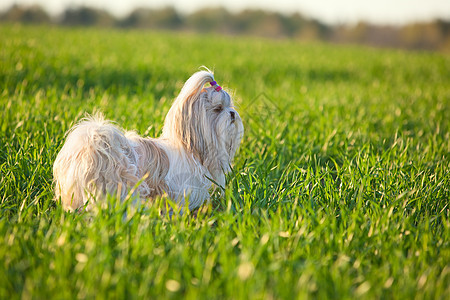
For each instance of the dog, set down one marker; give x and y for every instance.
(201, 135)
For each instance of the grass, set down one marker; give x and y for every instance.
(340, 189)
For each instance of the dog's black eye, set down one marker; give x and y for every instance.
(218, 109)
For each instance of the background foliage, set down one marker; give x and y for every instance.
(432, 35)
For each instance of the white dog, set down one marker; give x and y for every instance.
(202, 132)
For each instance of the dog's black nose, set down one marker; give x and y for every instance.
(232, 116)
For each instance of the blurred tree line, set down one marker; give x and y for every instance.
(433, 35)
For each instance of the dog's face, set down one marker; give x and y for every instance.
(205, 123)
(225, 123)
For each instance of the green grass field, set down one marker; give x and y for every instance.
(340, 189)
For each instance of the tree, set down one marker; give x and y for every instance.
(25, 14)
(166, 18)
(86, 16)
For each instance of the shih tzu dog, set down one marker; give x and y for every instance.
(201, 134)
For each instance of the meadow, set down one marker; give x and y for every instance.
(340, 189)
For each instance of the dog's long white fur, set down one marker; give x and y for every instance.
(201, 134)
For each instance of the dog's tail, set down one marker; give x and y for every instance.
(95, 160)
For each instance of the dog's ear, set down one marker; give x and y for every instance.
(186, 121)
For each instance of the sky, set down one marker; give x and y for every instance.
(330, 11)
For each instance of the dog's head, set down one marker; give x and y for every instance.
(204, 121)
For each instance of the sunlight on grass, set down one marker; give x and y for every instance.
(340, 188)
